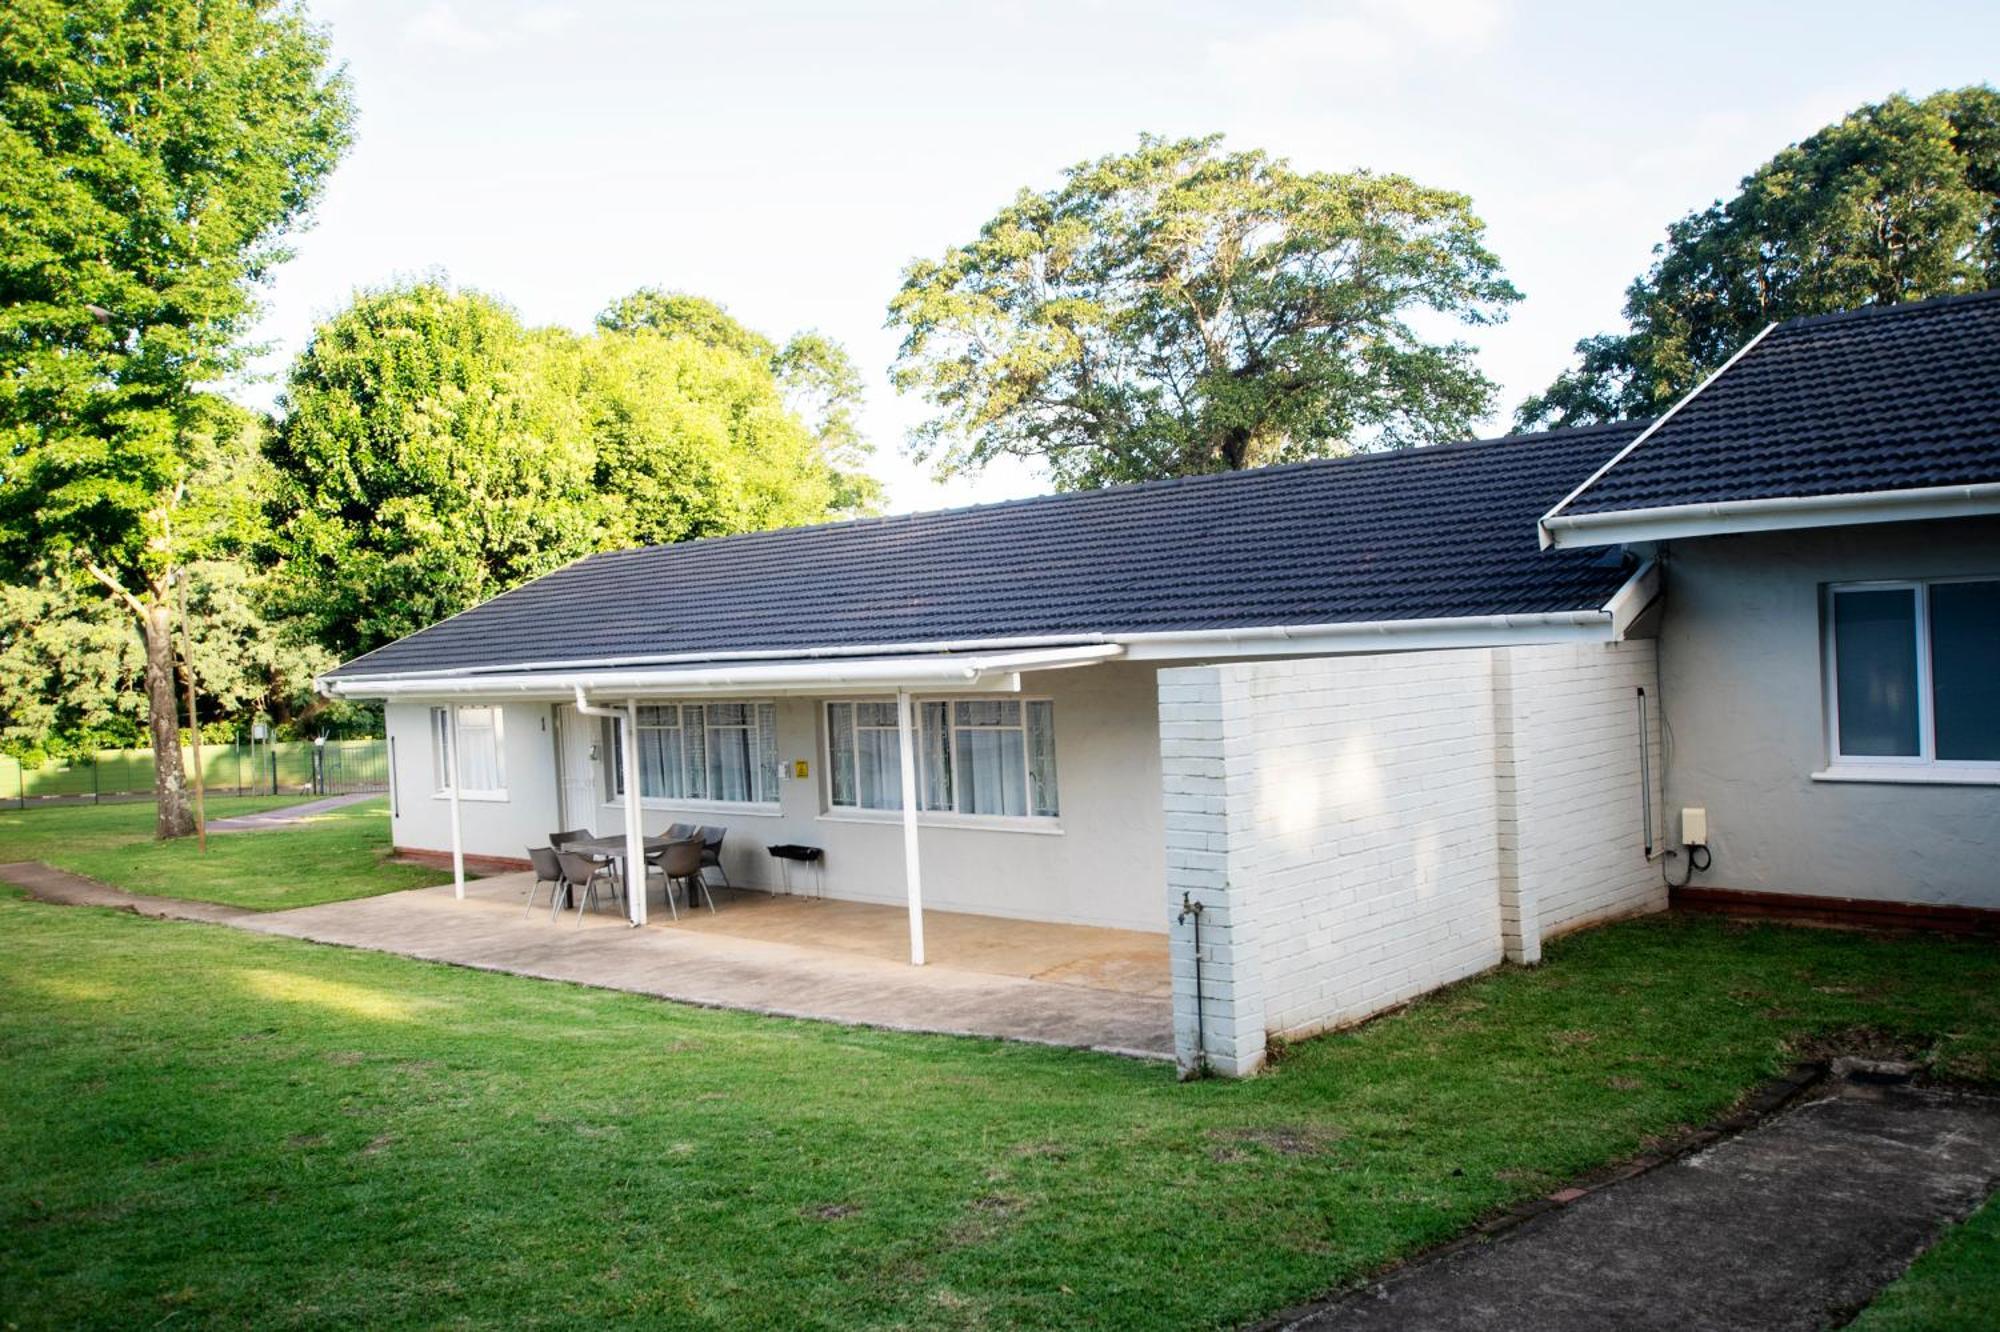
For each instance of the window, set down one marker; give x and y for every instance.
(985, 756)
(701, 751)
(1915, 672)
(477, 733)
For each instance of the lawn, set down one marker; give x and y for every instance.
(1954, 1285)
(207, 1126)
(333, 856)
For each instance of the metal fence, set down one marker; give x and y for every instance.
(284, 767)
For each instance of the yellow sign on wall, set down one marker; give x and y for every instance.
(799, 769)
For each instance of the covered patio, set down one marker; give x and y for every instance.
(830, 960)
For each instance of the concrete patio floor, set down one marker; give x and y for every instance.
(838, 961)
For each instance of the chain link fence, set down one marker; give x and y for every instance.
(283, 767)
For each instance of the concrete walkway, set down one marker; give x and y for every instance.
(492, 931)
(1793, 1225)
(288, 814)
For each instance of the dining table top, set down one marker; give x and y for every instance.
(616, 846)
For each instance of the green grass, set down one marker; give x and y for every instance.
(329, 858)
(1954, 1285)
(215, 1127)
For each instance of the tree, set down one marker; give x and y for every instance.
(152, 159)
(1181, 309)
(433, 453)
(818, 379)
(1898, 201)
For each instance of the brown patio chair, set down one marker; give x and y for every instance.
(680, 862)
(583, 875)
(548, 869)
(711, 854)
(680, 832)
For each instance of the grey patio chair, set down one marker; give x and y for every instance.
(583, 875)
(680, 832)
(548, 869)
(681, 862)
(711, 853)
(563, 839)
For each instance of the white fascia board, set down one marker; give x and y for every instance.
(1624, 526)
(1543, 525)
(1629, 601)
(1331, 640)
(1000, 672)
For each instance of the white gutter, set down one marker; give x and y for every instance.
(1369, 636)
(1542, 526)
(995, 671)
(1767, 515)
(1630, 600)
(933, 647)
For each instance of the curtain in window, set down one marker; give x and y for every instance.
(935, 735)
(479, 749)
(1042, 759)
(878, 756)
(767, 751)
(992, 767)
(441, 749)
(732, 753)
(840, 753)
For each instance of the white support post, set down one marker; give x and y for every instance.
(457, 830)
(906, 744)
(635, 832)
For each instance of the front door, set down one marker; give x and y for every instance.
(578, 741)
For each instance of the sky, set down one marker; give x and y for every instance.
(789, 159)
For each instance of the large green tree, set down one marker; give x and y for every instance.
(1181, 309)
(1898, 201)
(434, 452)
(153, 157)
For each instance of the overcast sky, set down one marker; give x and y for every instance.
(789, 159)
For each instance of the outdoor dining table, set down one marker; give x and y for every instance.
(614, 849)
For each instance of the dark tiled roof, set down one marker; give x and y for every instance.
(1892, 397)
(1435, 532)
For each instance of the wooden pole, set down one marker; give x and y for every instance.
(194, 721)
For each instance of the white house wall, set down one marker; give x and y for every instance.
(1360, 830)
(1740, 659)
(1100, 863)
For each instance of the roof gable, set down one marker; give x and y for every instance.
(1876, 401)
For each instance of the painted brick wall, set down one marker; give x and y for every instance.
(1364, 829)
(1581, 847)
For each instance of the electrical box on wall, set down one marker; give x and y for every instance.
(1694, 826)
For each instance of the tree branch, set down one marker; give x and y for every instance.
(117, 588)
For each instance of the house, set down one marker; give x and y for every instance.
(1362, 726)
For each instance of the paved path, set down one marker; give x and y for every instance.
(1792, 1225)
(50, 884)
(288, 814)
(491, 931)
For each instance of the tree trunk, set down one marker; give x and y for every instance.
(174, 814)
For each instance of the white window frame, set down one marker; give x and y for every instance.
(614, 740)
(444, 742)
(944, 818)
(1924, 766)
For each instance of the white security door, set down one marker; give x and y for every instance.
(582, 793)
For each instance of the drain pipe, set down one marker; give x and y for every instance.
(1192, 910)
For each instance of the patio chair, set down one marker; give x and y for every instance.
(680, 832)
(583, 875)
(711, 854)
(548, 869)
(681, 863)
(563, 839)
